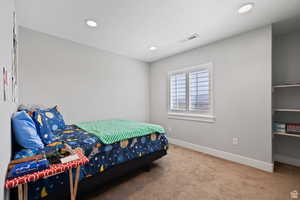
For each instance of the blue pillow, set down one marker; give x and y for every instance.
(25, 131)
(47, 122)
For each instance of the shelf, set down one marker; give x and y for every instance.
(286, 110)
(286, 134)
(287, 85)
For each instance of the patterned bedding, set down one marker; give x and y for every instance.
(102, 156)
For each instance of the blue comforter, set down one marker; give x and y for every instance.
(101, 156)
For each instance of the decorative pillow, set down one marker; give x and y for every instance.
(31, 108)
(47, 122)
(25, 131)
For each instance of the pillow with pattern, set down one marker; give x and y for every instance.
(47, 122)
(32, 107)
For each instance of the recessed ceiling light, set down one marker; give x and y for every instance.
(246, 8)
(152, 48)
(91, 23)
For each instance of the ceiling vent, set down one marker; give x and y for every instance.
(191, 37)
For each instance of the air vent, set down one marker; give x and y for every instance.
(194, 36)
(191, 37)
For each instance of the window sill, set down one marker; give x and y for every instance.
(192, 117)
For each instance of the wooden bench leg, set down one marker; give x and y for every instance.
(74, 186)
(71, 184)
(76, 181)
(25, 191)
(20, 192)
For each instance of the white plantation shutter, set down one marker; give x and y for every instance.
(190, 92)
(199, 90)
(178, 92)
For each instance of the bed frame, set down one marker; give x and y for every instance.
(94, 183)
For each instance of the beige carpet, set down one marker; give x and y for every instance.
(188, 175)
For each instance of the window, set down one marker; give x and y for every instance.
(191, 94)
(178, 92)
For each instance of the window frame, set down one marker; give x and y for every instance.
(188, 114)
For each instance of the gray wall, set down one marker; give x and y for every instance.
(6, 108)
(286, 68)
(87, 83)
(242, 83)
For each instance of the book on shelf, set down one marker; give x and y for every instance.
(293, 128)
(287, 128)
(279, 127)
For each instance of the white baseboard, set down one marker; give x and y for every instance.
(286, 159)
(265, 166)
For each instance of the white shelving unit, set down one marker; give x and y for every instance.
(286, 85)
(285, 94)
(286, 109)
(293, 110)
(286, 134)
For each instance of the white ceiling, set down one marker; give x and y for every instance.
(129, 27)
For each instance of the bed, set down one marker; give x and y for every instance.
(107, 161)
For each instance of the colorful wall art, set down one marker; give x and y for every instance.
(9, 74)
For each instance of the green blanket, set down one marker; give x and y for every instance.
(111, 131)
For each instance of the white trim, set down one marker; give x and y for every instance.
(192, 117)
(189, 69)
(265, 166)
(287, 159)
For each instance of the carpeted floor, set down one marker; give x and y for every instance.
(188, 175)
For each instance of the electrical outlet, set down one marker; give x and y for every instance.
(235, 141)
